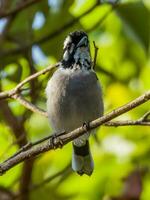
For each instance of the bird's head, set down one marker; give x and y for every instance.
(76, 49)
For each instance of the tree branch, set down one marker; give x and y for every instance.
(29, 105)
(15, 93)
(19, 8)
(21, 139)
(14, 123)
(17, 89)
(6, 194)
(140, 122)
(143, 121)
(54, 143)
(50, 35)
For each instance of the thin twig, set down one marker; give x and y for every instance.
(51, 178)
(15, 142)
(95, 54)
(127, 123)
(145, 117)
(31, 144)
(143, 121)
(54, 143)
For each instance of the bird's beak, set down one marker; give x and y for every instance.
(83, 42)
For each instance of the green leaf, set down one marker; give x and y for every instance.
(135, 17)
(14, 72)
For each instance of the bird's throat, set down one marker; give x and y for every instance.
(81, 59)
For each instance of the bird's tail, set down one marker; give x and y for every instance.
(82, 161)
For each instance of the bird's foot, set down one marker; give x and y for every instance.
(56, 140)
(86, 126)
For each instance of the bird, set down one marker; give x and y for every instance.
(74, 97)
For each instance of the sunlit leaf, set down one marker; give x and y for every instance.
(135, 18)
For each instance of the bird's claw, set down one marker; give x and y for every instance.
(86, 126)
(56, 140)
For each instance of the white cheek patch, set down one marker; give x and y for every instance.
(66, 56)
(67, 40)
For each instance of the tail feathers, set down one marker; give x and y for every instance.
(82, 161)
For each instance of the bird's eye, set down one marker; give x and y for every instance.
(83, 42)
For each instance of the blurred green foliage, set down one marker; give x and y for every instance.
(123, 66)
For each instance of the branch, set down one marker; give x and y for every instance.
(145, 117)
(109, 124)
(57, 32)
(19, 8)
(14, 123)
(16, 90)
(127, 123)
(95, 54)
(65, 171)
(26, 179)
(14, 93)
(15, 142)
(29, 145)
(29, 105)
(21, 139)
(51, 178)
(54, 143)
(143, 121)
(50, 35)
(6, 194)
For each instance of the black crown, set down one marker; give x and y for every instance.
(76, 36)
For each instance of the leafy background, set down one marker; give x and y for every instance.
(30, 40)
